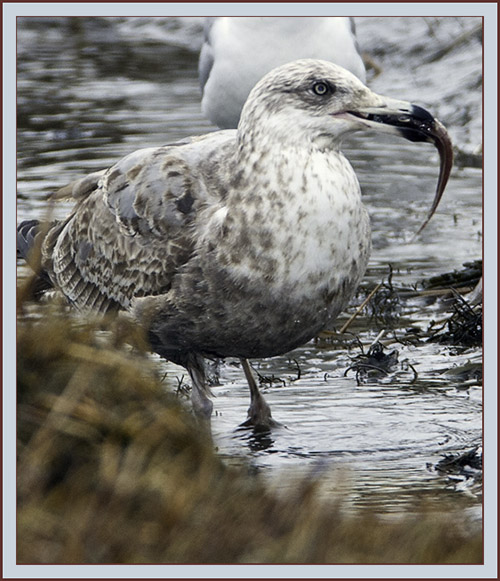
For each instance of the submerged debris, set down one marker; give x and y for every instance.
(463, 328)
(464, 470)
(462, 158)
(377, 363)
(469, 276)
(461, 463)
(385, 305)
(468, 374)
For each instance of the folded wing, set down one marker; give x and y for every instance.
(130, 233)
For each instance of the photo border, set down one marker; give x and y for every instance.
(488, 10)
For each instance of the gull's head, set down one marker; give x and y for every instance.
(318, 102)
(304, 100)
(312, 104)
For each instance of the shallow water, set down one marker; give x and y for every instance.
(92, 90)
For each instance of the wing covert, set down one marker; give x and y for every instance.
(132, 234)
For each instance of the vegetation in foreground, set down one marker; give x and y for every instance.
(112, 469)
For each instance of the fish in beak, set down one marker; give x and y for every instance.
(415, 124)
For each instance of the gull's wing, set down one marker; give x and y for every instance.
(129, 234)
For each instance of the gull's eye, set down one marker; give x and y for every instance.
(321, 88)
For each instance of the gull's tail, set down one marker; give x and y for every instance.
(30, 234)
(26, 236)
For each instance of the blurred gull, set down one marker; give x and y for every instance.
(238, 52)
(240, 243)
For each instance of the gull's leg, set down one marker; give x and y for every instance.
(259, 413)
(202, 405)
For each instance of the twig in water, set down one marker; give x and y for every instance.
(360, 308)
(299, 373)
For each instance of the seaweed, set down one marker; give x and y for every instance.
(464, 327)
(377, 363)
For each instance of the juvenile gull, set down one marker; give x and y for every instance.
(239, 243)
(238, 52)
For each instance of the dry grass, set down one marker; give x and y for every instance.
(111, 469)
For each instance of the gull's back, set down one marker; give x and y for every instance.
(238, 52)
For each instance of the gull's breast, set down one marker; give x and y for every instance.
(307, 234)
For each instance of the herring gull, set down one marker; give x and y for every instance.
(241, 243)
(239, 51)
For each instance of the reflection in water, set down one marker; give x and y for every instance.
(91, 90)
(259, 441)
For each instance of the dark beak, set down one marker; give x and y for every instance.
(415, 124)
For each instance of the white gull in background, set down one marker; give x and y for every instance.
(240, 243)
(239, 51)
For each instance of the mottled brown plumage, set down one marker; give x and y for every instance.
(239, 243)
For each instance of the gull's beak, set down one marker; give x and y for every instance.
(415, 124)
